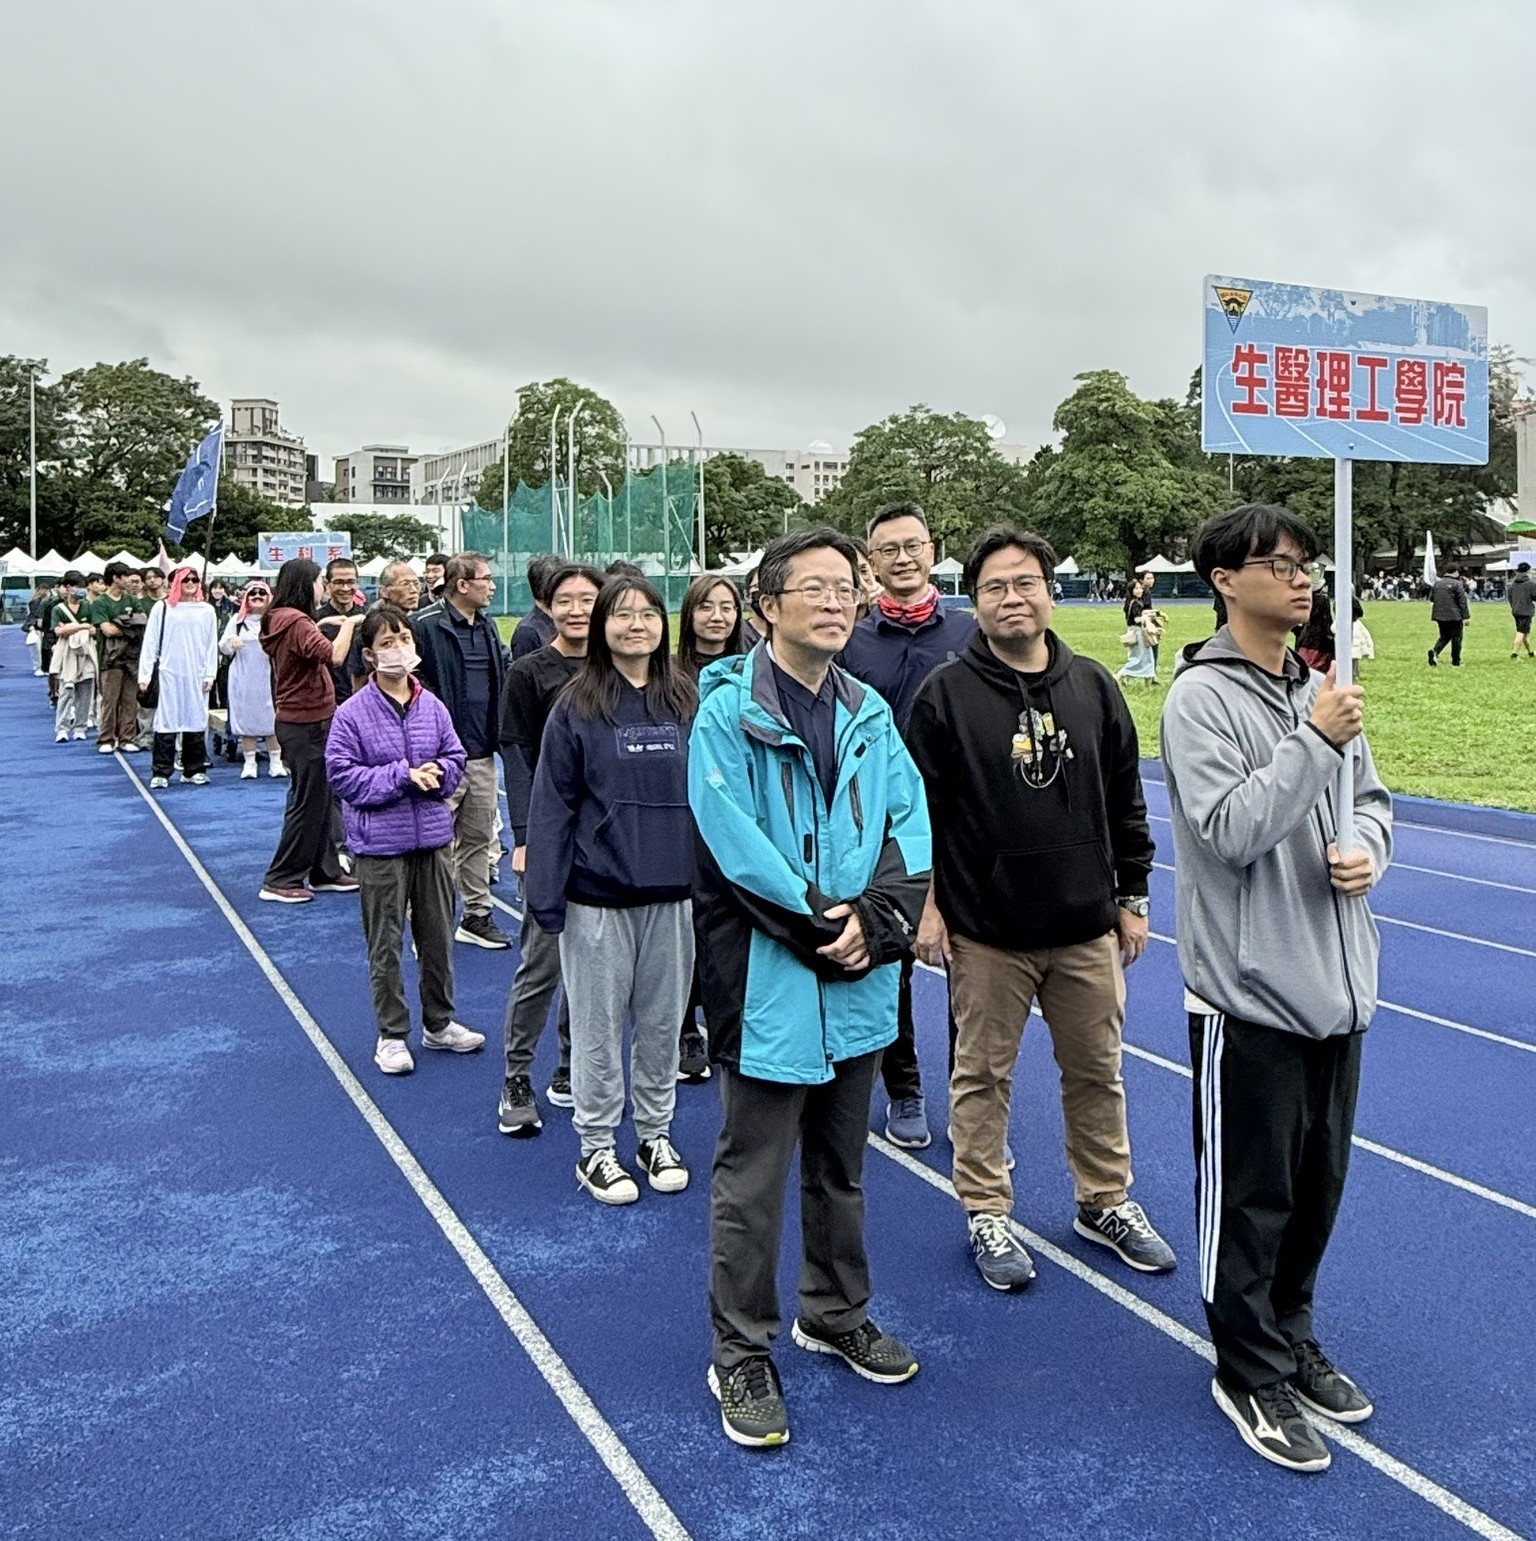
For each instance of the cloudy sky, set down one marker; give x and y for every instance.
(791, 218)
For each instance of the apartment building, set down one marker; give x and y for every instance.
(260, 455)
(376, 473)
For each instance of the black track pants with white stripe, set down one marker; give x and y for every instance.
(1274, 1113)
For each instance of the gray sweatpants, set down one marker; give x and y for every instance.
(617, 963)
(419, 883)
(534, 986)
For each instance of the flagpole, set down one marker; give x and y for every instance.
(32, 412)
(213, 513)
(1344, 632)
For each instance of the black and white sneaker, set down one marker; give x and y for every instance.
(693, 1059)
(1127, 1232)
(1325, 1389)
(602, 1176)
(1000, 1256)
(559, 1092)
(868, 1351)
(1272, 1425)
(482, 931)
(752, 1410)
(663, 1167)
(518, 1112)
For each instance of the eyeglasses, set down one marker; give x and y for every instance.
(892, 549)
(819, 593)
(629, 617)
(1285, 568)
(1026, 585)
(404, 583)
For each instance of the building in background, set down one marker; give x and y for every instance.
(376, 473)
(258, 454)
(454, 475)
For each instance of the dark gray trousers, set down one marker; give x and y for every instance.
(764, 1122)
(419, 883)
(533, 989)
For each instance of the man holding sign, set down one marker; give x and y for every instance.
(1279, 953)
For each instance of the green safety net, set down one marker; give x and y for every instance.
(641, 523)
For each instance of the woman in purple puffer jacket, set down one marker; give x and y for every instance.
(393, 760)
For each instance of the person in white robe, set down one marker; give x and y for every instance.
(181, 644)
(251, 714)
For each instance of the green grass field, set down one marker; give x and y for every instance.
(1464, 734)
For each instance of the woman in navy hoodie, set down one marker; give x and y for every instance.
(393, 758)
(610, 871)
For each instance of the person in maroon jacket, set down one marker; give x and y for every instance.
(304, 699)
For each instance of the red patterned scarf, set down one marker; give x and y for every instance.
(910, 615)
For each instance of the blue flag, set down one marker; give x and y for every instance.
(197, 489)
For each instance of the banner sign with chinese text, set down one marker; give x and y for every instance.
(320, 546)
(1342, 376)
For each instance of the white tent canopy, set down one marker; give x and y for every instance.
(948, 568)
(232, 567)
(88, 562)
(17, 561)
(739, 566)
(374, 566)
(1067, 569)
(1161, 564)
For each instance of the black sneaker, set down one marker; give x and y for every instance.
(1127, 1232)
(1272, 1425)
(1433, 661)
(1323, 1388)
(752, 1410)
(518, 1112)
(482, 931)
(602, 1176)
(1000, 1256)
(663, 1167)
(559, 1091)
(693, 1059)
(868, 1351)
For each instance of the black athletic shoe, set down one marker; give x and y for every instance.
(1272, 1425)
(693, 1059)
(868, 1351)
(752, 1410)
(1323, 1388)
(559, 1092)
(1127, 1232)
(1433, 661)
(518, 1112)
(482, 931)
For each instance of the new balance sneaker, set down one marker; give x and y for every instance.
(455, 1038)
(867, 1351)
(752, 1410)
(517, 1113)
(693, 1059)
(482, 931)
(106, 746)
(663, 1167)
(559, 1091)
(342, 883)
(1272, 1425)
(1325, 1389)
(1000, 1256)
(602, 1176)
(393, 1056)
(906, 1123)
(1127, 1232)
(278, 895)
(159, 783)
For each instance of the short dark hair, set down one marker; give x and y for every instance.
(1524, 567)
(540, 570)
(437, 559)
(1253, 529)
(74, 575)
(779, 553)
(381, 618)
(619, 568)
(338, 561)
(116, 571)
(889, 511)
(461, 569)
(150, 572)
(571, 570)
(999, 538)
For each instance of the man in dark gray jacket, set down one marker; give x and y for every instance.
(1522, 605)
(1450, 612)
(1279, 952)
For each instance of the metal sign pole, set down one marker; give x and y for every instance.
(1344, 631)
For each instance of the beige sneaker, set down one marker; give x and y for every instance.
(456, 1038)
(393, 1056)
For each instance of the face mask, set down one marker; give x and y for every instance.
(396, 662)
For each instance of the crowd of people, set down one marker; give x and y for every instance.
(735, 851)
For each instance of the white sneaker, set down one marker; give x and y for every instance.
(275, 766)
(248, 770)
(81, 733)
(393, 1056)
(61, 737)
(456, 1038)
(105, 748)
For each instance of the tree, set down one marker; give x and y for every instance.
(944, 462)
(744, 507)
(599, 440)
(387, 535)
(53, 515)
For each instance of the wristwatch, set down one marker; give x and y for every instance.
(1138, 905)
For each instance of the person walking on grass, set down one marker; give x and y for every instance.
(251, 714)
(1279, 955)
(1521, 595)
(1449, 611)
(181, 641)
(72, 660)
(609, 872)
(812, 860)
(1042, 855)
(304, 702)
(392, 758)
(533, 684)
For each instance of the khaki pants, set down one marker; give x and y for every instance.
(473, 806)
(1081, 990)
(118, 716)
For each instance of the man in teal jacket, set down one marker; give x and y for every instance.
(813, 859)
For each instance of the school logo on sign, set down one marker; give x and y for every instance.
(1233, 303)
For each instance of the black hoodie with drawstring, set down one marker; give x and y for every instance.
(1034, 793)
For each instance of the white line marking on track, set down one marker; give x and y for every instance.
(1458, 1027)
(1455, 936)
(642, 1494)
(1373, 1455)
(1427, 829)
(1460, 877)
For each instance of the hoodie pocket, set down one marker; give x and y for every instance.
(1054, 889)
(640, 846)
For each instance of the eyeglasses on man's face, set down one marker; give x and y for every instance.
(816, 593)
(893, 549)
(1026, 585)
(1285, 568)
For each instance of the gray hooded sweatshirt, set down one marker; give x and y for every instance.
(1263, 935)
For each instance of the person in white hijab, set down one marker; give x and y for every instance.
(251, 713)
(181, 643)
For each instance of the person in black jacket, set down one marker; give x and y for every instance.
(1041, 859)
(1521, 595)
(537, 629)
(1450, 612)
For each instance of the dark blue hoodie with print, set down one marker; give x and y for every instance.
(608, 822)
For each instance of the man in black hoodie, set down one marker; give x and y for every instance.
(1041, 855)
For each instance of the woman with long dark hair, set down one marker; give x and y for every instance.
(710, 623)
(610, 872)
(304, 701)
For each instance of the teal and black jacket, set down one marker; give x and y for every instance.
(772, 857)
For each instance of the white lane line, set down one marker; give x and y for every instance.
(1455, 936)
(1458, 1027)
(1414, 1481)
(647, 1502)
(1465, 834)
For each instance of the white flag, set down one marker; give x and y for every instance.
(1431, 573)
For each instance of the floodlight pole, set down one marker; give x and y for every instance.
(570, 491)
(554, 501)
(700, 432)
(1344, 631)
(32, 496)
(666, 507)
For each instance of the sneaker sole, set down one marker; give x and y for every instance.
(816, 1346)
(672, 1186)
(395, 1069)
(560, 1099)
(603, 1195)
(520, 1131)
(921, 1144)
(461, 935)
(1088, 1233)
(336, 888)
(746, 1441)
(453, 1048)
(1224, 1402)
(283, 898)
(1323, 1412)
(694, 1077)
